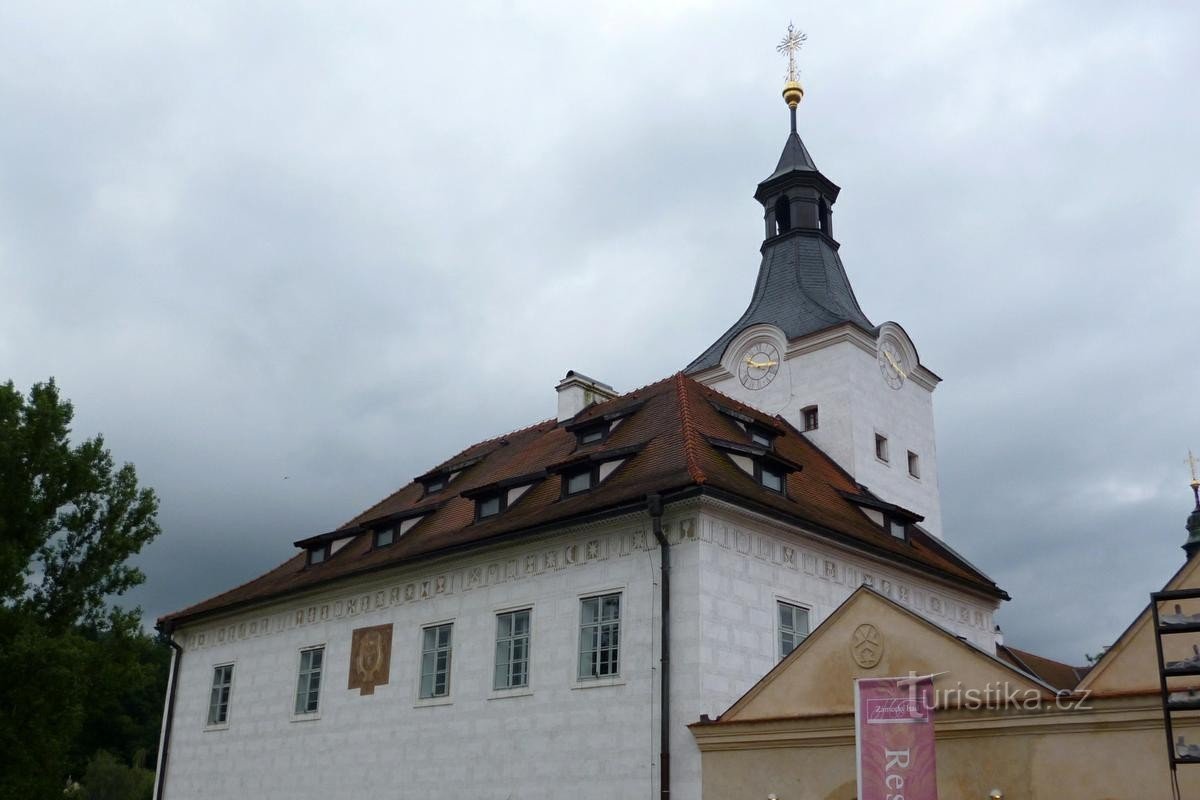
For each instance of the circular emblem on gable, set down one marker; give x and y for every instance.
(866, 645)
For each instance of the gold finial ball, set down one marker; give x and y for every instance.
(793, 93)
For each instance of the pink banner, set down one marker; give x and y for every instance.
(893, 721)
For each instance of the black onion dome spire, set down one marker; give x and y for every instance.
(802, 286)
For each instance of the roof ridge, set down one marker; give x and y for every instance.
(689, 430)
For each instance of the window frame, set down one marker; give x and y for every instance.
(760, 436)
(760, 467)
(434, 698)
(882, 439)
(223, 724)
(394, 530)
(780, 604)
(603, 428)
(511, 639)
(816, 418)
(591, 470)
(501, 505)
(326, 551)
(914, 465)
(315, 713)
(614, 650)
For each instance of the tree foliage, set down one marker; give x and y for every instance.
(69, 520)
(79, 675)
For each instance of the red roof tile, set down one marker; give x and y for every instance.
(670, 428)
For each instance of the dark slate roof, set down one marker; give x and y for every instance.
(671, 435)
(802, 288)
(794, 158)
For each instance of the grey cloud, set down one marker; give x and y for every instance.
(338, 245)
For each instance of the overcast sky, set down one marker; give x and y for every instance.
(287, 256)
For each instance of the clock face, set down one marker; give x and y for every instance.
(892, 363)
(758, 365)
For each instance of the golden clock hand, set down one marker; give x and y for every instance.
(899, 369)
(761, 364)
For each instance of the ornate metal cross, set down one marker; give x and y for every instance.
(790, 45)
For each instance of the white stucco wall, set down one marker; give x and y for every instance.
(556, 739)
(599, 741)
(840, 375)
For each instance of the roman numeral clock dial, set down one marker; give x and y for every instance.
(892, 363)
(758, 365)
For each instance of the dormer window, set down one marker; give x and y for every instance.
(768, 476)
(768, 468)
(385, 537)
(435, 485)
(897, 528)
(489, 506)
(593, 433)
(761, 437)
(318, 554)
(578, 481)
(494, 499)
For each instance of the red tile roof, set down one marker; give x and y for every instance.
(670, 431)
(1055, 673)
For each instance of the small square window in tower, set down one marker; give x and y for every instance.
(881, 447)
(810, 419)
(914, 464)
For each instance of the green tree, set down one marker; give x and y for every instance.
(107, 778)
(68, 520)
(79, 675)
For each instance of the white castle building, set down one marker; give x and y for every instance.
(544, 614)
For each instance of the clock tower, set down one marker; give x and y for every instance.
(805, 350)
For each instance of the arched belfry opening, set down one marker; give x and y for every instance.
(823, 218)
(783, 215)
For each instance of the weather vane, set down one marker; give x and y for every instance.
(790, 45)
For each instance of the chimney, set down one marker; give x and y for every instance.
(577, 391)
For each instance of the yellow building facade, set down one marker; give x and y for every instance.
(999, 728)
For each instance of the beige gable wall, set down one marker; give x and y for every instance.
(817, 678)
(792, 735)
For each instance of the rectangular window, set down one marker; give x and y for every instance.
(435, 485)
(759, 438)
(579, 482)
(881, 450)
(218, 702)
(914, 464)
(793, 627)
(308, 686)
(771, 479)
(385, 537)
(810, 419)
(435, 661)
(512, 650)
(489, 506)
(593, 435)
(600, 636)
(318, 554)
